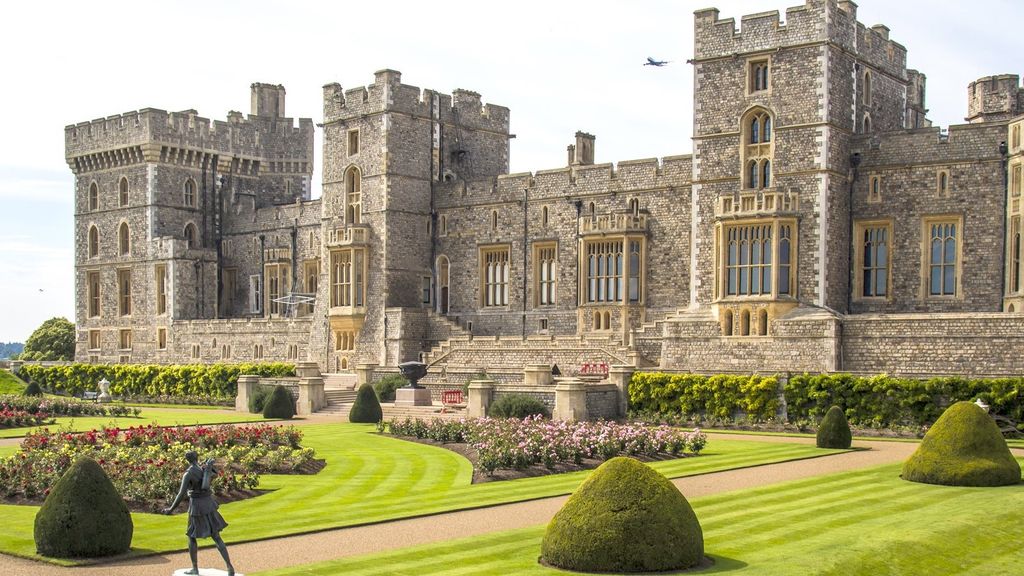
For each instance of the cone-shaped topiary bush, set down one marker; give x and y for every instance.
(279, 404)
(366, 408)
(963, 448)
(33, 389)
(834, 430)
(83, 516)
(626, 517)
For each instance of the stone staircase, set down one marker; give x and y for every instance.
(392, 412)
(340, 381)
(339, 390)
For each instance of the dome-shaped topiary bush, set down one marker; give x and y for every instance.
(517, 406)
(279, 404)
(83, 516)
(963, 448)
(626, 517)
(32, 389)
(366, 408)
(834, 430)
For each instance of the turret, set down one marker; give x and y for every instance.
(993, 98)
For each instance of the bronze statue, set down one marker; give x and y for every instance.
(204, 521)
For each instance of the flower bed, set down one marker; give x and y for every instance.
(146, 463)
(15, 418)
(518, 444)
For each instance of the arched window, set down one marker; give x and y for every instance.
(122, 189)
(444, 225)
(745, 323)
(94, 196)
(592, 208)
(190, 193)
(943, 182)
(634, 207)
(123, 239)
(867, 123)
(762, 322)
(866, 100)
(544, 216)
(756, 149)
(727, 323)
(190, 235)
(494, 220)
(94, 242)
(353, 196)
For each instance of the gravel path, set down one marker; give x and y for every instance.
(342, 542)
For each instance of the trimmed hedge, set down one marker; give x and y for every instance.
(219, 380)
(878, 401)
(366, 408)
(719, 396)
(83, 515)
(517, 406)
(963, 448)
(834, 430)
(279, 404)
(626, 517)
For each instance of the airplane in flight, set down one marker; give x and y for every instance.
(653, 62)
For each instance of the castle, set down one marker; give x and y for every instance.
(820, 224)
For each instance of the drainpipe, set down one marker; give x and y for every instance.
(263, 267)
(295, 254)
(855, 159)
(526, 199)
(579, 290)
(1004, 153)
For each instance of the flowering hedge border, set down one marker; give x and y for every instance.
(509, 443)
(145, 463)
(49, 406)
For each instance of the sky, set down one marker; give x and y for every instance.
(560, 66)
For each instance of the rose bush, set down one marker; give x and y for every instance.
(146, 463)
(517, 444)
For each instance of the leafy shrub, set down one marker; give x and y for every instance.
(366, 408)
(834, 430)
(721, 396)
(258, 399)
(83, 515)
(386, 386)
(963, 448)
(220, 380)
(626, 517)
(32, 389)
(280, 404)
(517, 406)
(63, 406)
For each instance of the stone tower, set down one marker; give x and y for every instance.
(385, 147)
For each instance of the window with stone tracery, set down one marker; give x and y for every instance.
(757, 149)
(353, 196)
(757, 259)
(494, 275)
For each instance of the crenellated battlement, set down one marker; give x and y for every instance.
(815, 21)
(238, 135)
(961, 143)
(994, 98)
(388, 94)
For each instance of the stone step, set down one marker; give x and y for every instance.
(343, 381)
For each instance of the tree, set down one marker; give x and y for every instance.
(54, 340)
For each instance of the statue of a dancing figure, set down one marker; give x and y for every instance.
(204, 521)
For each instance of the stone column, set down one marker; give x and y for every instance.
(570, 400)
(16, 366)
(307, 370)
(620, 375)
(246, 385)
(480, 394)
(537, 375)
(364, 373)
(311, 395)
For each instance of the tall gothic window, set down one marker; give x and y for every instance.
(94, 196)
(873, 257)
(122, 192)
(494, 275)
(190, 193)
(943, 246)
(866, 94)
(758, 75)
(613, 270)
(757, 149)
(353, 196)
(757, 259)
(348, 287)
(544, 273)
(1015, 248)
(190, 236)
(94, 242)
(123, 239)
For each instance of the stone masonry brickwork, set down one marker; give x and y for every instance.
(879, 243)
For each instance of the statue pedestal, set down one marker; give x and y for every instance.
(205, 572)
(412, 397)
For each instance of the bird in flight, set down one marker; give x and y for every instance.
(653, 62)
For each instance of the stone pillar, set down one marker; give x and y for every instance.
(307, 370)
(480, 394)
(246, 385)
(16, 366)
(364, 373)
(620, 375)
(537, 375)
(570, 400)
(311, 395)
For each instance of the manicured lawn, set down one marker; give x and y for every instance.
(10, 384)
(865, 522)
(155, 416)
(370, 478)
